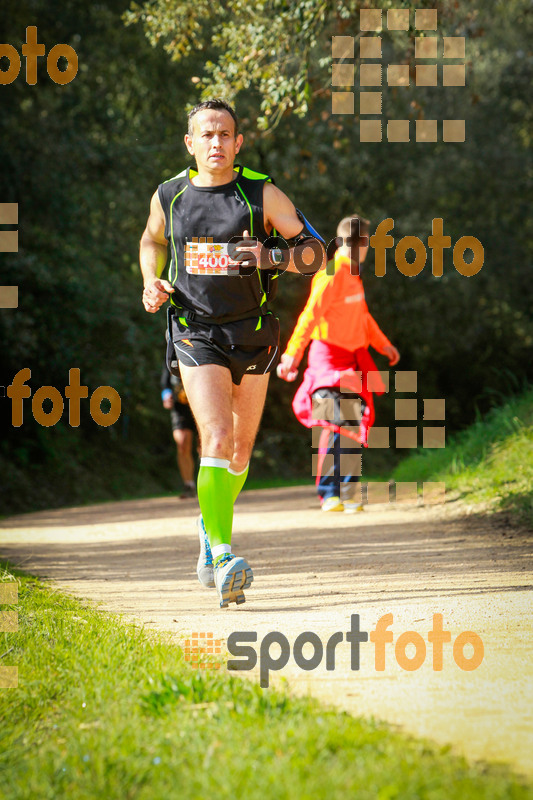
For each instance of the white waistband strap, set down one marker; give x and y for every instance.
(232, 471)
(206, 461)
(220, 549)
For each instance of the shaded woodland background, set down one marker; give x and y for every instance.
(82, 161)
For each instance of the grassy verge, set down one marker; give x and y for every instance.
(80, 473)
(104, 711)
(490, 462)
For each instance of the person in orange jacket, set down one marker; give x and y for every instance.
(337, 321)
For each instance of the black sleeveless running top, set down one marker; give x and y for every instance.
(199, 222)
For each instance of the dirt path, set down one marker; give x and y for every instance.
(312, 572)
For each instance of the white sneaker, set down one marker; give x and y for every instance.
(204, 567)
(352, 507)
(332, 504)
(232, 576)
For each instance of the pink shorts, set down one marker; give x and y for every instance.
(323, 355)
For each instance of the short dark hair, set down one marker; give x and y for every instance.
(217, 105)
(344, 229)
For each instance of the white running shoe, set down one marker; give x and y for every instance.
(352, 507)
(232, 576)
(332, 504)
(204, 567)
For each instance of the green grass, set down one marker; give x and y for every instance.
(490, 462)
(104, 710)
(277, 482)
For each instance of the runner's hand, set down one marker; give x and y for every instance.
(155, 294)
(287, 369)
(254, 247)
(392, 354)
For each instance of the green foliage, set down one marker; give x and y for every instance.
(491, 462)
(82, 161)
(105, 710)
(279, 48)
(265, 45)
(465, 337)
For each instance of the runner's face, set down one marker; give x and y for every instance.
(213, 142)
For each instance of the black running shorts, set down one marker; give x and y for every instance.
(239, 359)
(181, 418)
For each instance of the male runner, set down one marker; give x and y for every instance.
(337, 320)
(183, 427)
(221, 331)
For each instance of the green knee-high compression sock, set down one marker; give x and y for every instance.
(237, 480)
(216, 503)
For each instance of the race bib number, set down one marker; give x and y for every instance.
(205, 257)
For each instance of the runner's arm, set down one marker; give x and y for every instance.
(153, 257)
(318, 302)
(280, 213)
(320, 299)
(379, 341)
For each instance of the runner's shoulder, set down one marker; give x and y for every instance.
(252, 175)
(255, 184)
(168, 189)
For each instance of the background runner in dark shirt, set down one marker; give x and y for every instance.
(183, 427)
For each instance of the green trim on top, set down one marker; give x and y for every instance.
(275, 233)
(179, 175)
(255, 176)
(175, 259)
(264, 297)
(249, 209)
(245, 172)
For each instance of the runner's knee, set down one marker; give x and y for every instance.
(184, 447)
(217, 441)
(183, 439)
(242, 452)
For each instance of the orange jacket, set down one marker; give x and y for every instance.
(336, 312)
